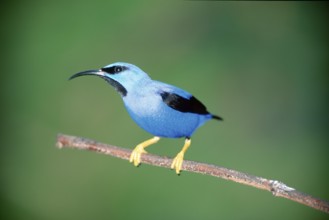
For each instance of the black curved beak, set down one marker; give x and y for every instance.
(88, 72)
(118, 87)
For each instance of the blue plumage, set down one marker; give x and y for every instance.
(152, 114)
(159, 108)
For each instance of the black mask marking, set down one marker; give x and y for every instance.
(114, 69)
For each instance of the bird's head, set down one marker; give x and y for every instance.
(123, 77)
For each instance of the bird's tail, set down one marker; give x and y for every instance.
(217, 117)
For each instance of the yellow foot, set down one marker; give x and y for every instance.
(178, 160)
(135, 156)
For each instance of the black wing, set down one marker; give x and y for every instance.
(182, 104)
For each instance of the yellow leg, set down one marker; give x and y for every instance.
(178, 160)
(139, 149)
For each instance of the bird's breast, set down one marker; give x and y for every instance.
(156, 117)
(143, 106)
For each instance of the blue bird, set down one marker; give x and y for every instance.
(159, 108)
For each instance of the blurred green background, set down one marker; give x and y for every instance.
(262, 66)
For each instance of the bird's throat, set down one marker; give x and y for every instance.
(117, 86)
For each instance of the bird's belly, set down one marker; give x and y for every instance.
(164, 121)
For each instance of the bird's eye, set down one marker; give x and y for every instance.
(113, 69)
(117, 69)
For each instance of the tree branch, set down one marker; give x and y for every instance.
(275, 187)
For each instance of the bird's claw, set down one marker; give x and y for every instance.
(135, 156)
(178, 162)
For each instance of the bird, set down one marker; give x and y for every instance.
(161, 109)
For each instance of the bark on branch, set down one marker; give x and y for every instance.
(277, 188)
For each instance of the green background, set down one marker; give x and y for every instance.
(262, 66)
